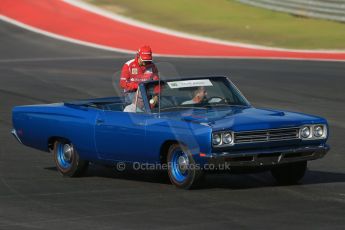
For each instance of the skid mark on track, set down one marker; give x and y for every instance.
(61, 85)
(6, 123)
(84, 217)
(306, 194)
(22, 95)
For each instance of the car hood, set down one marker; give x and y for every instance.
(244, 118)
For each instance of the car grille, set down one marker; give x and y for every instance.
(266, 135)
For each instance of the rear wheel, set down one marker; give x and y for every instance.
(289, 173)
(183, 171)
(67, 159)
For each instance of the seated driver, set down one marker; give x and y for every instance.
(137, 105)
(199, 96)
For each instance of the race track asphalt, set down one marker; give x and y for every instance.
(35, 69)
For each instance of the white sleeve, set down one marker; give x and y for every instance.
(129, 108)
(190, 102)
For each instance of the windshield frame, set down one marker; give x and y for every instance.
(143, 86)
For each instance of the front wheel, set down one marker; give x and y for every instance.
(183, 171)
(67, 159)
(289, 173)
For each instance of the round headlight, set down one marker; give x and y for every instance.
(318, 131)
(227, 138)
(216, 139)
(305, 132)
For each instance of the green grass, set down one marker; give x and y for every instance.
(233, 21)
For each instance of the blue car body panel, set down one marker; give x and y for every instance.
(120, 137)
(35, 125)
(110, 135)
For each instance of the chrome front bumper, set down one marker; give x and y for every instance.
(269, 157)
(14, 133)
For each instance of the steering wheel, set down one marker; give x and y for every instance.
(216, 99)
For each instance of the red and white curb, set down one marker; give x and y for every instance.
(78, 22)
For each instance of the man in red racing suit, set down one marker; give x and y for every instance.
(137, 70)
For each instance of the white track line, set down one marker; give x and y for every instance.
(116, 17)
(43, 59)
(60, 37)
(47, 59)
(89, 44)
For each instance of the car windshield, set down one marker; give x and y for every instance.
(195, 93)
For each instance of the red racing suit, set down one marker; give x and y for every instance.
(132, 74)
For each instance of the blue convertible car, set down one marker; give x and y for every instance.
(192, 126)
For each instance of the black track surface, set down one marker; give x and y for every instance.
(35, 69)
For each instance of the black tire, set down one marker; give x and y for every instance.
(194, 175)
(68, 162)
(290, 173)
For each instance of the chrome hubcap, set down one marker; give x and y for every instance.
(67, 152)
(183, 163)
